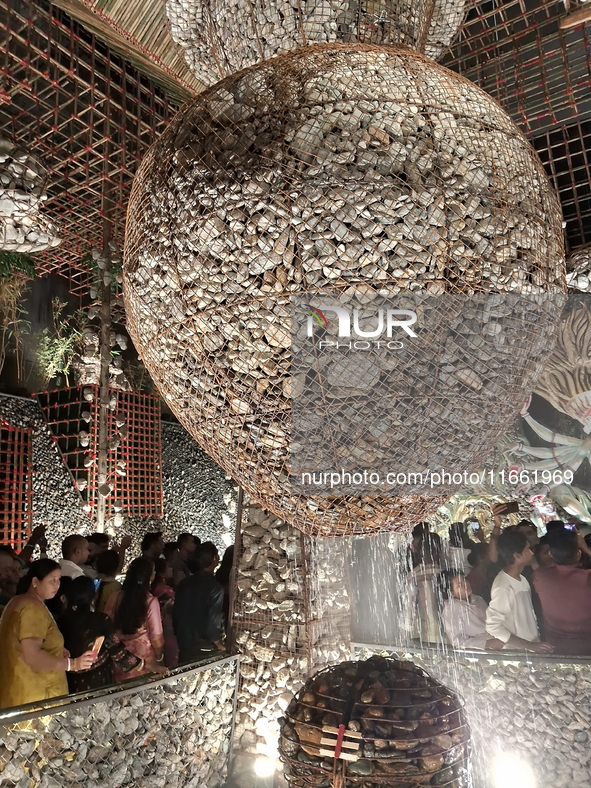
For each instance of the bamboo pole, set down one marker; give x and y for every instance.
(575, 19)
(105, 334)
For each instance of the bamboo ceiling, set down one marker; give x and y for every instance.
(140, 31)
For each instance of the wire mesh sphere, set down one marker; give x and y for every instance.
(333, 168)
(22, 191)
(225, 36)
(578, 270)
(401, 728)
(22, 181)
(28, 234)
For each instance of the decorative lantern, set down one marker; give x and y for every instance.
(331, 169)
(225, 36)
(382, 722)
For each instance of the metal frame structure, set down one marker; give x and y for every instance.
(540, 73)
(16, 484)
(140, 489)
(86, 113)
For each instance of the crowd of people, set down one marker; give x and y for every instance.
(514, 591)
(80, 624)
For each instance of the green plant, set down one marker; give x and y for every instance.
(138, 377)
(14, 268)
(11, 262)
(57, 349)
(12, 289)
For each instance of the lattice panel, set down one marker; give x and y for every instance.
(140, 490)
(16, 478)
(135, 446)
(85, 113)
(540, 74)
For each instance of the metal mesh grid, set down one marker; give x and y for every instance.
(140, 490)
(16, 485)
(85, 113)
(539, 73)
(71, 418)
(72, 415)
(336, 168)
(566, 155)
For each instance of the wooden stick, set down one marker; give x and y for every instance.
(575, 19)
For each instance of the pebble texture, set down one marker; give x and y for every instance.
(578, 270)
(225, 36)
(22, 191)
(198, 497)
(291, 617)
(175, 735)
(408, 729)
(537, 709)
(347, 168)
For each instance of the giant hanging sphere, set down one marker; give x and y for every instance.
(338, 168)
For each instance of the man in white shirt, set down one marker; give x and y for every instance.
(75, 553)
(510, 616)
(464, 615)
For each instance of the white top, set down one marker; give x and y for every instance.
(465, 622)
(70, 569)
(510, 611)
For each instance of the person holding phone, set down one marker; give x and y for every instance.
(85, 629)
(33, 660)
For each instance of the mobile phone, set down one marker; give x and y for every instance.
(511, 507)
(98, 642)
(474, 526)
(97, 582)
(570, 526)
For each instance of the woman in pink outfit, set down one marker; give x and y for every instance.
(164, 593)
(138, 622)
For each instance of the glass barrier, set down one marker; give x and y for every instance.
(151, 732)
(528, 713)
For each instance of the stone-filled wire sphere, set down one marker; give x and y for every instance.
(410, 729)
(338, 168)
(221, 37)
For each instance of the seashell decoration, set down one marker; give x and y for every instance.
(23, 182)
(340, 169)
(400, 727)
(578, 270)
